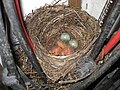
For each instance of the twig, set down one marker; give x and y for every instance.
(57, 2)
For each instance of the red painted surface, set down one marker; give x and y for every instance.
(22, 24)
(110, 45)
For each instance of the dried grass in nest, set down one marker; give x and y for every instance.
(45, 26)
(27, 67)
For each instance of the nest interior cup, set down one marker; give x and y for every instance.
(46, 25)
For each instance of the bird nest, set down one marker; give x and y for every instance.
(46, 24)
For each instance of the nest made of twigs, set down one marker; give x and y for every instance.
(45, 26)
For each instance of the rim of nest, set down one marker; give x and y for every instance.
(53, 21)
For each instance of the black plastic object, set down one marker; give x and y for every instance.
(82, 85)
(110, 81)
(106, 29)
(106, 11)
(9, 75)
(85, 67)
(5, 51)
(114, 27)
(16, 31)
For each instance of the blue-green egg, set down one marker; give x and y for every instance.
(73, 43)
(65, 37)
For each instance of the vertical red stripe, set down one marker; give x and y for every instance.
(21, 21)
